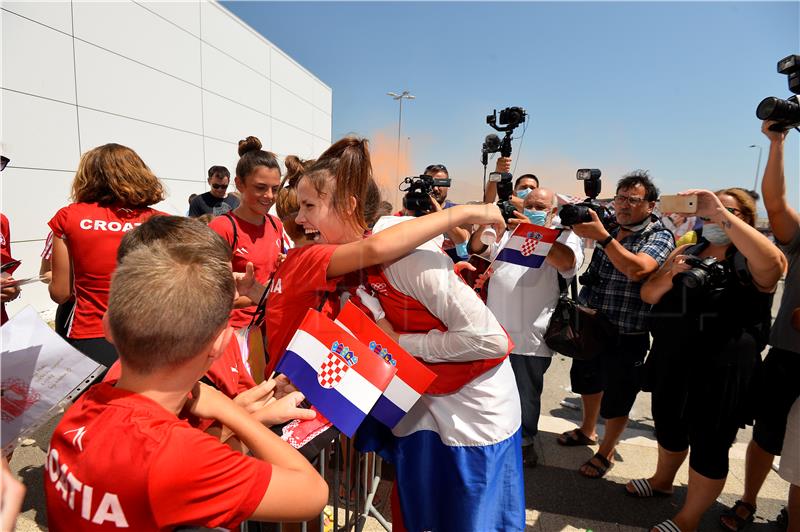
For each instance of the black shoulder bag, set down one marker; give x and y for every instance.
(578, 331)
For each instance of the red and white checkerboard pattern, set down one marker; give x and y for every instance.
(332, 371)
(528, 247)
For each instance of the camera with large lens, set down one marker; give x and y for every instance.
(706, 273)
(418, 191)
(579, 213)
(786, 113)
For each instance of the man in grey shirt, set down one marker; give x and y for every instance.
(779, 382)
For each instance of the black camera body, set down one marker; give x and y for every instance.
(510, 118)
(578, 213)
(785, 112)
(505, 188)
(707, 273)
(418, 192)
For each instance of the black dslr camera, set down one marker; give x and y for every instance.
(418, 191)
(785, 112)
(578, 213)
(706, 273)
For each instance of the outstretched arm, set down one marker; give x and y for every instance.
(784, 220)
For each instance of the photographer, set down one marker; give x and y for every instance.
(523, 300)
(718, 294)
(778, 386)
(623, 258)
(455, 240)
(523, 185)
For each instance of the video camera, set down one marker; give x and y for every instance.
(510, 118)
(418, 192)
(578, 213)
(785, 112)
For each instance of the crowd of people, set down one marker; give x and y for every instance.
(176, 307)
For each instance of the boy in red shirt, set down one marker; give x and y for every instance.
(121, 457)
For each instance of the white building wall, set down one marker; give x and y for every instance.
(179, 82)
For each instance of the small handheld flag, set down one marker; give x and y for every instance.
(337, 373)
(528, 245)
(412, 377)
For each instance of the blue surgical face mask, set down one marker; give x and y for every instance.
(536, 217)
(523, 193)
(461, 250)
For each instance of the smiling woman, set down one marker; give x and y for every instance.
(253, 235)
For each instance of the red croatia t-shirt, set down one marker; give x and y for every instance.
(119, 460)
(92, 234)
(300, 283)
(5, 252)
(259, 244)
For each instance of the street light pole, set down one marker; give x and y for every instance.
(758, 166)
(400, 97)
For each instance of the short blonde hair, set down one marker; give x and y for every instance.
(113, 173)
(167, 304)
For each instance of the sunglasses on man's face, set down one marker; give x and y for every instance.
(219, 187)
(4, 162)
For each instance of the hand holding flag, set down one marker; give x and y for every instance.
(338, 374)
(528, 245)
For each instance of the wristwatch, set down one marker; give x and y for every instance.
(603, 243)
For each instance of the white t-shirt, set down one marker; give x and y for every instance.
(523, 299)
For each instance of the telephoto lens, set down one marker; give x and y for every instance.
(785, 112)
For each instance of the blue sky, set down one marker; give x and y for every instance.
(671, 87)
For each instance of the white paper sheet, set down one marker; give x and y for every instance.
(38, 370)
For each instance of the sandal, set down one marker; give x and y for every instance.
(666, 526)
(575, 438)
(600, 470)
(643, 490)
(741, 522)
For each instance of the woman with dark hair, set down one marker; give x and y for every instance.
(253, 234)
(113, 191)
(718, 294)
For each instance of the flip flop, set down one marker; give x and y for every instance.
(575, 438)
(643, 490)
(666, 526)
(601, 469)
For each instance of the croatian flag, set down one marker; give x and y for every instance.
(338, 374)
(528, 245)
(412, 377)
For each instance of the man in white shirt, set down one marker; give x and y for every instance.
(523, 300)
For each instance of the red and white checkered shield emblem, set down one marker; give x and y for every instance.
(528, 247)
(332, 371)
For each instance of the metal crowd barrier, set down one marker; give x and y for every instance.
(351, 472)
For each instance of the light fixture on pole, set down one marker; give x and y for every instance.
(758, 166)
(400, 97)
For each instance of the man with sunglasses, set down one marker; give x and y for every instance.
(216, 201)
(623, 259)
